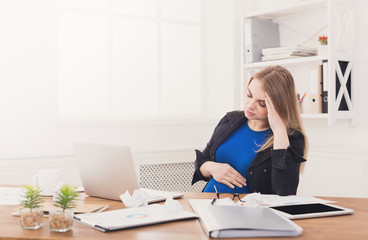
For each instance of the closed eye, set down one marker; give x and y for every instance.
(261, 103)
(249, 94)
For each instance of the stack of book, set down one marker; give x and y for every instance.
(269, 54)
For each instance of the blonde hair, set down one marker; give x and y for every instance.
(278, 83)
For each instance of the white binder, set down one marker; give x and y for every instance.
(315, 89)
(259, 34)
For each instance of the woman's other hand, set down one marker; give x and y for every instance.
(223, 173)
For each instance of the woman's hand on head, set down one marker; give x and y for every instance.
(274, 118)
(281, 139)
(223, 173)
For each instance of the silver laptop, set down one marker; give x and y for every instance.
(107, 171)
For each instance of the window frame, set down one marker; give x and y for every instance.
(159, 117)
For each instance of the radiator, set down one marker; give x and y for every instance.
(175, 176)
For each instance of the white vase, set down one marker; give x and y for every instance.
(323, 50)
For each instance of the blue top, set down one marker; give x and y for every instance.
(238, 151)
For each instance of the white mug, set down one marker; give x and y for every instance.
(47, 180)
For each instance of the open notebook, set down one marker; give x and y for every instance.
(226, 221)
(107, 171)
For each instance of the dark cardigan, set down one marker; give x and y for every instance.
(271, 171)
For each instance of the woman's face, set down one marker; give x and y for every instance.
(254, 104)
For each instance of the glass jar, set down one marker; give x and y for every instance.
(61, 221)
(31, 218)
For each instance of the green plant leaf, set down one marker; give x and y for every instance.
(31, 197)
(66, 197)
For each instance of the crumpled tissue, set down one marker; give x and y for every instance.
(172, 205)
(138, 199)
(251, 200)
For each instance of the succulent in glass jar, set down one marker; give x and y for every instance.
(31, 213)
(61, 220)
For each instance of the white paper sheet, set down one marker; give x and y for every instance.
(10, 195)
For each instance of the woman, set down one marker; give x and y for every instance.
(261, 148)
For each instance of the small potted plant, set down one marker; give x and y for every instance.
(323, 40)
(31, 212)
(61, 219)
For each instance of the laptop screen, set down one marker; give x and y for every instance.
(106, 170)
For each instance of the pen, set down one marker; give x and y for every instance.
(301, 100)
(214, 199)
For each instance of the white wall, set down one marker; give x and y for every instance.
(30, 124)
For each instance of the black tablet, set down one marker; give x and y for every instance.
(311, 210)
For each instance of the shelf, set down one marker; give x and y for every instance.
(292, 9)
(286, 62)
(314, 116)
(340, 78)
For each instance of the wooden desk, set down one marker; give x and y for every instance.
(352, 227)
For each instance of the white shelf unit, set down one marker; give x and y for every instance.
(342, 67)
(287, 62)
(292, 9)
